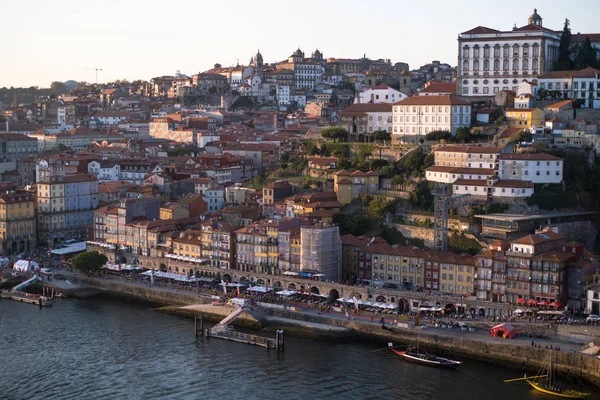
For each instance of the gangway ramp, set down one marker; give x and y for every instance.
(21, 286)
(231, 317)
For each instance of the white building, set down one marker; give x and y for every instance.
(524, 100)
(592, 304)
(533, 167)
(361, 120)
(105, 171)
(381, 93)
(584, 84)
(418, 115)
(283, 95)
(215, 198)
(492, 187)
(108, 117)
(490, 60)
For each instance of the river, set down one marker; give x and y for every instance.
(108, 349)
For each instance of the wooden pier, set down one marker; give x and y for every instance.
(26, 298)
(226, 332)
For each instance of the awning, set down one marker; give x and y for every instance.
(259, 289)
(287, 293)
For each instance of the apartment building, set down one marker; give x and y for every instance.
(349, 185)
(18, 223)
(65, 206)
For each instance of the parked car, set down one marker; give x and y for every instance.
(390, 286)
(593, 318)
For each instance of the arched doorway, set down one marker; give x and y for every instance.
(482, 312)
(260, 281)
(315, 290)
(438, 304)
(243, 279)
(227, 278)
(291, 286)
(278, 285)
(450, 309)
(380, 299)
(403, 306)
(162, 267)
(334, 295)
(472, 311)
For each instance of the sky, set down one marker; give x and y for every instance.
(46, 41)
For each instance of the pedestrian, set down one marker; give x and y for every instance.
(532, 343)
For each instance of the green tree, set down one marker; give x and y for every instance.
(377, 164)
(438, 135)
(564, 50)
(502, 119)
(421, 196)
(61, 147)
(89, 261)
(585, 55)
(380, 206)
(459, 243)
(334, 133)
(382, 136)
(463, 134)
(58, 87)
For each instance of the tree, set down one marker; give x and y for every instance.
(58, 87)
(463, 134)
(61, 147)
(334, 133)
(380, 206)
(585, 55)
(564, 50)
(89, 261)
(502, 119)
(382, 136)
(438, 135)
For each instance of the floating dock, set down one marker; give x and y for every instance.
(26, 298)
(224, 331)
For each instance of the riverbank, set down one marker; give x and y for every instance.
(517, 353)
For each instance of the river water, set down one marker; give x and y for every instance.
(108, 349)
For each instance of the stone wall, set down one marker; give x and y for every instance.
(582, 231)
(415, 232)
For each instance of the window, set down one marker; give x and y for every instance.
(496, 51)
(525, 65)
(505, 65)
(486, 65)
(496, 65)
(505, 50)
(486, 51)
(515, 64)
(476, 65)
(466, 52)
(465, 65)
(476, 51)
(516, 50)
(534, 64)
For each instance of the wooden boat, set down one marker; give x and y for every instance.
(546, 383)
(427, 359)
(413, 354)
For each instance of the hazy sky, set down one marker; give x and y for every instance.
(45, 41)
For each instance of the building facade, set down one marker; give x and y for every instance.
(490, 60)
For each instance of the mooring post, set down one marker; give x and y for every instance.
(196, 326)
(201, 325)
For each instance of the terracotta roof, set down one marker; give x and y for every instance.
(538, 238)
(461, 170)
(584, 73)
(480, 29)
(561, 104)
(513, 184)
(508, 132)
(556, 256)
(439, 87)
(470, 149)
(323, 160)
(367, 107)
(381, 86)
(470, 182)
(529, 156)
(521, 109)
(432, 101)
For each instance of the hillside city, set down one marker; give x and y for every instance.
(476, 178)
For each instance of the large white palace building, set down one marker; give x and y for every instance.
(490, 60)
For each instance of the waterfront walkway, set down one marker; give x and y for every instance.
(70, 283)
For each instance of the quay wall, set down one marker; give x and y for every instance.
(501, 353)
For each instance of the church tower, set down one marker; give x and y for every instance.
(534, 19)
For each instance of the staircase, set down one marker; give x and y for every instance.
(21, 286)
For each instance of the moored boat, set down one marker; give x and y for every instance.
(427, 359)
(546, 383)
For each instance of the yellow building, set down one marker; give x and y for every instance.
(525, 117)
(17, 222)
(189, 244)
(348, 186)
(457, 273)
(172, 210)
